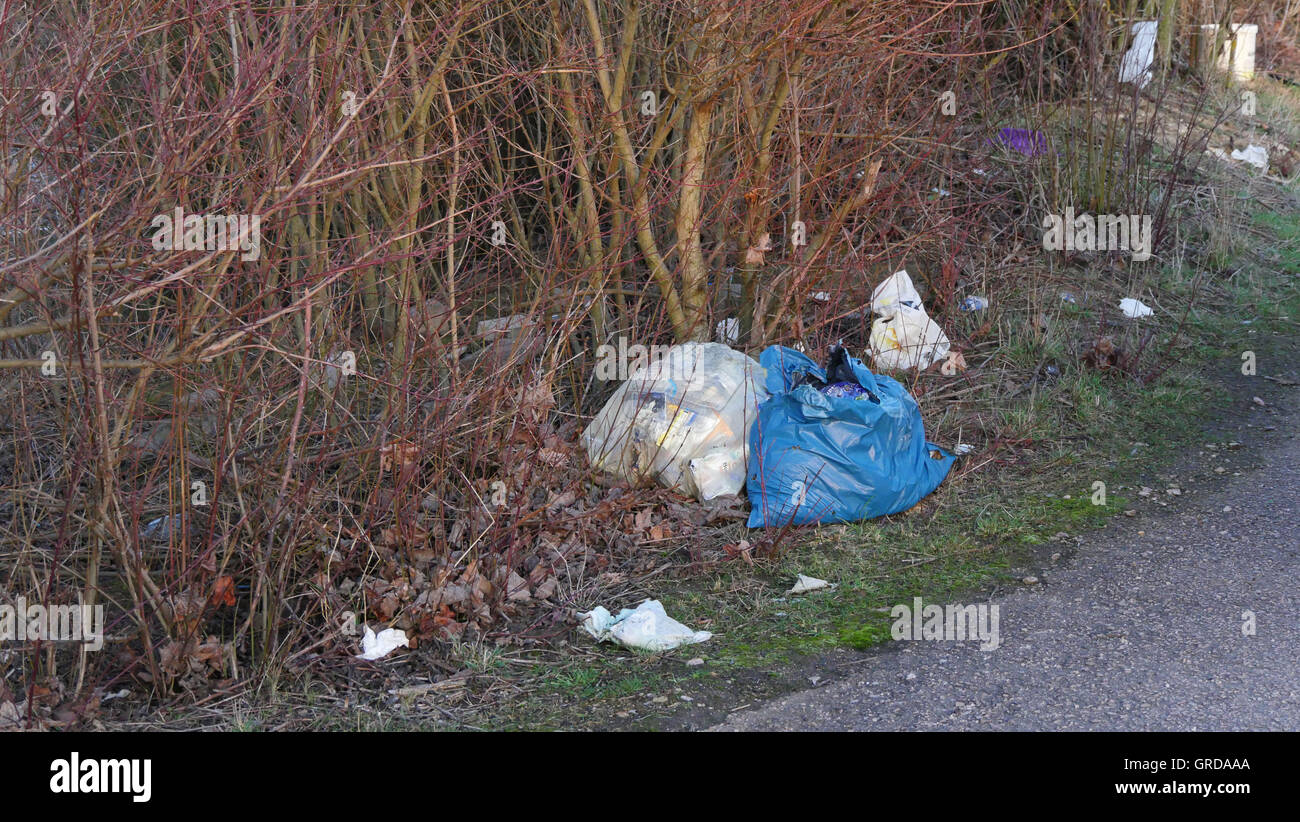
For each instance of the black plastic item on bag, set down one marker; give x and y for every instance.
(838, 370)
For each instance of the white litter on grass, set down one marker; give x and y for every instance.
(729, 330)
(903, 336)
(963, 448)
(377, 646)
(805, 584)
(1136, 65)
(1134, 308)
(646, 627)
(1254, 155)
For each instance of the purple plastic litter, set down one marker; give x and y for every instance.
(846, 390)
(1025, 141)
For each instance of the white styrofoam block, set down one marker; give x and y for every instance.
(1237, 54)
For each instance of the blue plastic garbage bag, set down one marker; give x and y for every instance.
(818, 458)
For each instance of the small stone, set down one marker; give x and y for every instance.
(1145, 492)
(1173, 492)
(685, 698)
(1030, 580)
(1220, 470)
(1056, 556)
(622, 714)
(1130, 513)
(696, 661)
(910, 677)
(1258, 401)
(1227, 509)
(659, 700)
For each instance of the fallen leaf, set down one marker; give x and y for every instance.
(223, 592)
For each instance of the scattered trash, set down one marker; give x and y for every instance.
(163, 528)
(824, 459)
(1135, 67)
(942, 192)
(336, 367)
(682, 419)
(846, 390)
(955, 364)
(646, 627)
(973, 304)
(894, 291)
(1236, 53)
(1067, 297)
(805, 584)
(729, 330)
(1134, 308)
(377, 646)
(963, 448)
(903, 336)
(755, 253)
(1254, 155)
(1022, 140)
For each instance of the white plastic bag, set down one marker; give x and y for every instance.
(1134, 308)
(377, 646)
(647, 627)
(1256, 156)
(897, 289)
(1136, 64)
(904, 336)
(683, 419)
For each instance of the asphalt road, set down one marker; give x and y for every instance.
(1141, 630)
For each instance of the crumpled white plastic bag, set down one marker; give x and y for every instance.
(904, 336)
(804, 585)
(1254, 155)
(1134, 308)
(1136, 64)
(377, 646)
(646, 627)
(897, 289)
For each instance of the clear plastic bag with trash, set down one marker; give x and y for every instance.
(683, 420)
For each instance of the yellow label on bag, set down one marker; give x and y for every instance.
(683, 419)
